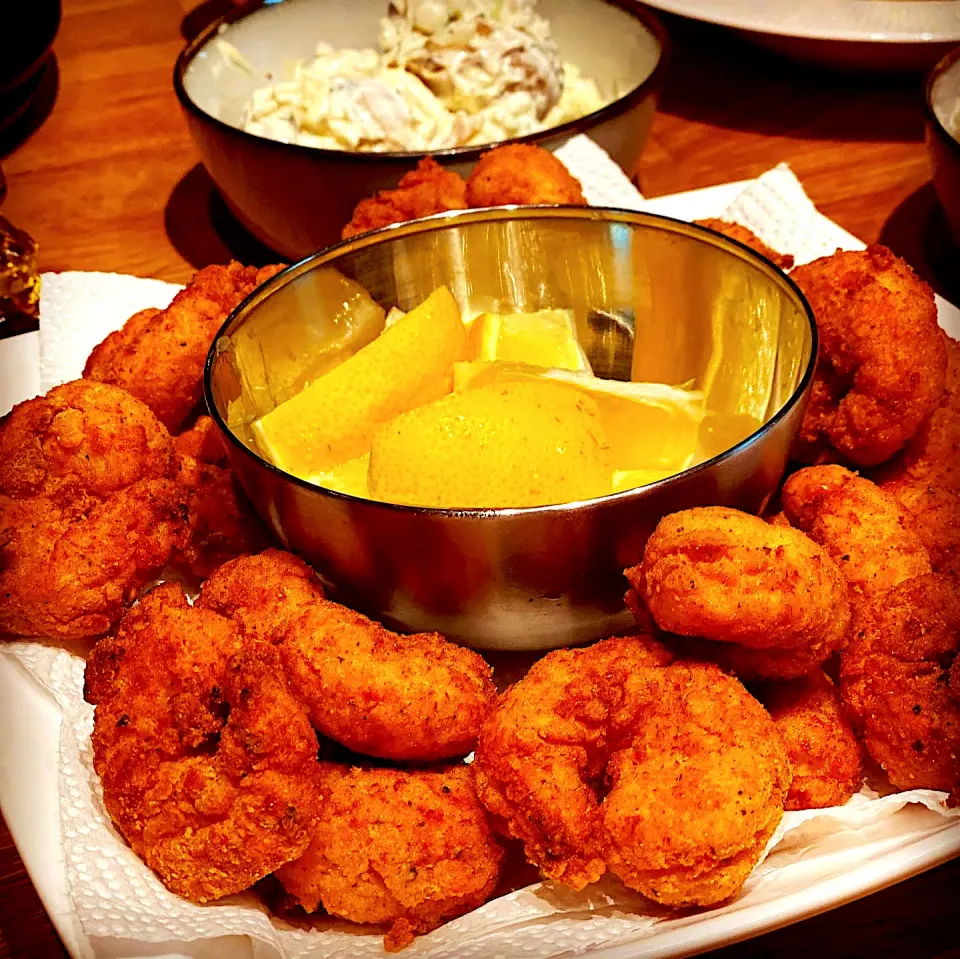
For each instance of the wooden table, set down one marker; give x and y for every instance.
(110, 181)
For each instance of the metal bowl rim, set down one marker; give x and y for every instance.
(440, 221)
(933, 75)
(615, 108)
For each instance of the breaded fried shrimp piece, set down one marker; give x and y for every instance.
(746, 236)
(669, 739)
(870, 536)
(895, 681)
(520, 173)
(824, 753)
(729, 577)
(201, 442)
(698, 792)
(545, 747)
(405, 849)
(426, 190)
(81, 437)
(69, 571)
(159, 357)
(936, 515)
(262, 593)
(221, 522)
(207, 763)
(932, 456)
(381, 694)
(376, 692)
(882, 357)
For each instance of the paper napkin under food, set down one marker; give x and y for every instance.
(122, 909)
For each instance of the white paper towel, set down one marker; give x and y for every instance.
(123, 909)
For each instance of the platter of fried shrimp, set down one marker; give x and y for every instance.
(251, 735)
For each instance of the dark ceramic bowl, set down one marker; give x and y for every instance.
(546, 576)
(297, 198)
(25, 47)
(943, 135)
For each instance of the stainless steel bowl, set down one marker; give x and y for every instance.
(297, 198)
(943, 135)
(549, 576)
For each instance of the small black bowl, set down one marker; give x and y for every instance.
(24, 52)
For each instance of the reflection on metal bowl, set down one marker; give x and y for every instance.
(943, 135)
(704, 310)
(298, 198)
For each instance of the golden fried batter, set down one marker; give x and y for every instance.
(426, 190)
(672, 739)
(221, 522)
(769, 592)
(894, 679)
(378, 693)
(868, 533)
(824, 753)
(79, 438)
(262, 593)
(548, 741)
(381, 694)
(936, 516)
(208, 765)
(520, 173)
(740, 233)
(400, 848)
(69, 571)
(159, 357)
(698, 792)
(882, 357)
(932, 456)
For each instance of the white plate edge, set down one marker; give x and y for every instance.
(728, 13)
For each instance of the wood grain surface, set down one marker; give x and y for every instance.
(106, 178)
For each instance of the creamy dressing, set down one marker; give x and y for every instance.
(449, 73)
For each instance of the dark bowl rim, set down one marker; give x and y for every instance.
(440, 221)
(933, 75)
(583, 124)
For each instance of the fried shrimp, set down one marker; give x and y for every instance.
(81, 437)
(894, 679)
(882, 356)
(405, 849)
(936, 516)
(671, 739)
(823, 750)
(932, 456)
(208, 765)
(708, 744)
(740, 233)
(771, 596)
(868, 533)
(159, 357)
(520, 173)
(69, 571)
(426, 190)
(221, 523)
(547, 744)
(262, 593)
(378, 693)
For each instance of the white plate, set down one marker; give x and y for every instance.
(868, 34)
(29, 776)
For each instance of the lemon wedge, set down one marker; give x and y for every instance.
(334, 418)
(544, 338)
(349, 477)
(509, 445)
(631, 479)
(649, 426)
